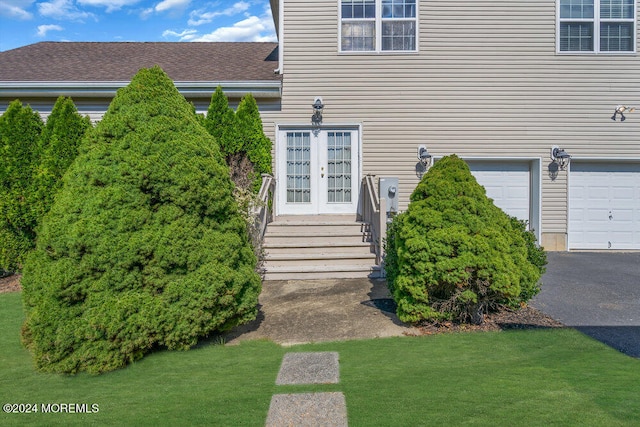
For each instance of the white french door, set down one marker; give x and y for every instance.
(317, 171)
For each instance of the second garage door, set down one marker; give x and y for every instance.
(507, 183)
(604, 206)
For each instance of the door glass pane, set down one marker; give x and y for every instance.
(298, 167)
(339, 167)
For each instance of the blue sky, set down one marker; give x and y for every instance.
(24, 22)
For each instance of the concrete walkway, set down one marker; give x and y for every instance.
(296, 312)
(308, 409)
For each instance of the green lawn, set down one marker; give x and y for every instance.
(536, 377)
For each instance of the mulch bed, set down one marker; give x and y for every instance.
(525, 318)
(10, 283)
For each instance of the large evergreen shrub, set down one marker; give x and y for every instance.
(144, 246)
(455, 255)
(20, 129)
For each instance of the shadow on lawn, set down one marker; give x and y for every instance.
(625, 339)
(224, 337)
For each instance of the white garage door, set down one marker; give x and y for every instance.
(604, 206)
(507, 183)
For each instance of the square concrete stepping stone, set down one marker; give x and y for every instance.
(309, 368)
(307, 409)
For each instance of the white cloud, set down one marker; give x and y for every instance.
(186, 35)
(199, 17)
(251, 29)
(110, 5)
(165, 5)
(16, 9)
(62, 9)
(44, 29)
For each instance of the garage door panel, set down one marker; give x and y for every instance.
(604, 202)
(623, 193)
(596, 215)
(507, 184)
(598, 193)
(623, 215)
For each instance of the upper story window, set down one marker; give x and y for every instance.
(378, 25)
(597, 26)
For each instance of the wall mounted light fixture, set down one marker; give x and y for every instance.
(424, 156)
(318, 106)
(621, 109)
(560, 157)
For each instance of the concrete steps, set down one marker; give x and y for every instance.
(317, 247)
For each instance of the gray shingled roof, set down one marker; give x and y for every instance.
(105, 62)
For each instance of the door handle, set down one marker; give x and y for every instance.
(322, 172)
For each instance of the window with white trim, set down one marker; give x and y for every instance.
(597, 26)
(378, 25)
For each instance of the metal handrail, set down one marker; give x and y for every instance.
(263, 212)
(374, 214)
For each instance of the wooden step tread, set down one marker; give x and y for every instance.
(317, 268)
(302, 245)
(318, 256)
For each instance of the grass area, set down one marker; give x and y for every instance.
(534, 377)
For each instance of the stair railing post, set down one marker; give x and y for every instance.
(382, 231)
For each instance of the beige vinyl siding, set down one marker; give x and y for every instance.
(486, 82)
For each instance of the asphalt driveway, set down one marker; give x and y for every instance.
(597, 293)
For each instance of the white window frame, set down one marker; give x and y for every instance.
(596, 21)
(378, 31)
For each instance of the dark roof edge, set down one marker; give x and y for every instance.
(97, 89)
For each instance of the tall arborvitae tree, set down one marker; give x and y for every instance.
(59, 144)
(220, 122)
(245, 146)
(144, 246)
(254, 142)
(20, 129)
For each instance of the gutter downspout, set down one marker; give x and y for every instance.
(280, 29)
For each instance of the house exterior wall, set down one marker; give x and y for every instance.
(486, 82)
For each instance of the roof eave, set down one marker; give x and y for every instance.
(100, 89)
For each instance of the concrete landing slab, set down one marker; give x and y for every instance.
(308, 409)
(309, 368)
(299, 311)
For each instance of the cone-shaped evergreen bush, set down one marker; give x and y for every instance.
(20, 129)
(59, 143)
(144, 246)
(455, 255)
(246, 148)
(221, 123)
(255, 143)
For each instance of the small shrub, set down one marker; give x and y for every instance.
(455, 255)
(144, 246)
